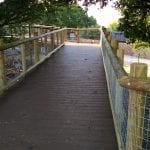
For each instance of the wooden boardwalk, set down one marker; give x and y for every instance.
(63, 105)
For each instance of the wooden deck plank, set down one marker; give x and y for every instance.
(63, 105)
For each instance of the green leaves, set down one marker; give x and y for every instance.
(136, 19)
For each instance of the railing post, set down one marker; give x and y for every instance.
(120, 55)
(78, 35)
(61, 36)
(65, 35)
(114, 45)
(57, 36)
(136, 109)
(23, 58)
(36, 49)
(45, 42)
(109, 38)
(53, 40)
(2, 68)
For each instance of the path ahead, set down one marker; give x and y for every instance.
(63, 105)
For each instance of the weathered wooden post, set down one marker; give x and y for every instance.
(2, 67)
(114, 45)
(57, 36)
(23, 58)
(36, 49)
(65, 35)
(61, 37)
(109, 38)
(120, 55)
(30, 30)
(53, 40)
(78, 35)
(136, 109)
(45, 41)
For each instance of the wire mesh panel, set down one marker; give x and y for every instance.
(87, 36)
(146, 132)
(118, 96)
(131, 109)
(71, 35)
(13, 65)
(139, 121)
(20, 57)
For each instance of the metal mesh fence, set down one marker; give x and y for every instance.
(20, 57)
(131, 111)
(84, 35)
(12, 62)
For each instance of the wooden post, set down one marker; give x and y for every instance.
(57, 36)
(65, 35)
(78, 35)
(61, 38)
(2, 68)
(29, 28)
(36, 49)
(45, 42)
(114, 45)
(136, 109)
(120, 55)
(23, 58)
(53, 41)
(109, 38)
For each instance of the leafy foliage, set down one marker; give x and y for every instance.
(14, 11)
(136, 19)
(113, 26)
(68, 16)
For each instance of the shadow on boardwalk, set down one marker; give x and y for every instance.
(63, 105)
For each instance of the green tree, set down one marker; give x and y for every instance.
(136, 19)
(113, 26)
(19, 11)
(67, 16)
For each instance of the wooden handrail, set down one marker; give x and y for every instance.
(13, 44)
(135, 84)
(82, 29)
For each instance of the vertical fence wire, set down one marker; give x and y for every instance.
(118, 96)
(119, 99)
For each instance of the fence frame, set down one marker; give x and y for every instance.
(122, 80)
(5, 86)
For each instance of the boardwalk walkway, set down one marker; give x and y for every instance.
(63, 105)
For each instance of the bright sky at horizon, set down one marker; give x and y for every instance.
(103, 16)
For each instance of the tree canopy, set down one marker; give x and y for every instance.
(14, 11)
(67, 16)
(136, 19)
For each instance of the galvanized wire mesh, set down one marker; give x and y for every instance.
(131, 117)
(20, 57)
(12, 62)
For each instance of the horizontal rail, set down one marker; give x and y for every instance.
(21, 57)
(135, 84)
(13, 44)
(82, 29)
(118, 69)
(129, 97)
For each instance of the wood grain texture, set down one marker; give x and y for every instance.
(63, 105)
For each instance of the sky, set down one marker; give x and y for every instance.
(104, 16)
